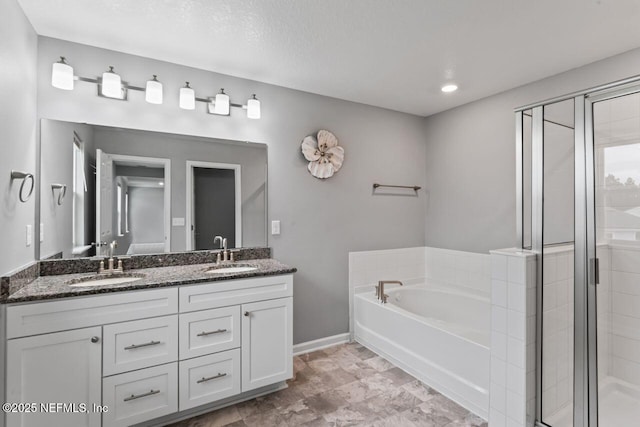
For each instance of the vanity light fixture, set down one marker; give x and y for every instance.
(449, 88)
(187, 98)
(253, 108)
(62, 75)
(153, 91)
(221, 105)
(111, 84)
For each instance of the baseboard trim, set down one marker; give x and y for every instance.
(319, 344)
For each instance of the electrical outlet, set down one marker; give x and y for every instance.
(29, 235)
(275, 228)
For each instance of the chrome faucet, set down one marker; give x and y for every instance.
(110, 269)
(225, 252)
(380, 295)
(223, 246)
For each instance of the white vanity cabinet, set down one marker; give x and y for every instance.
(149, 354)
(267, 342)
(61, 367)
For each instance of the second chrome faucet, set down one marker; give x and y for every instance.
(223, 246)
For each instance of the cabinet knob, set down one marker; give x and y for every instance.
(246, 313)
(95, 339)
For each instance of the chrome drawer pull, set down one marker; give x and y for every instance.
(204, 334)
(134, 397)
(147, 344)
(211, 378)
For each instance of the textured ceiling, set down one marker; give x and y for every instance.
(389, 53)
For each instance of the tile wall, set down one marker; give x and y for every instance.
(625, 313)
(462, 269)
(557, 337)
(513, 317)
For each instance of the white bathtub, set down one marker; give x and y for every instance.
(438, 335)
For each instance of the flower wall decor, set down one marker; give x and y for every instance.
(324, 155)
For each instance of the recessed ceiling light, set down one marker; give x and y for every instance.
(449, 88)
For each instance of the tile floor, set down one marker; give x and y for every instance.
(346, 385)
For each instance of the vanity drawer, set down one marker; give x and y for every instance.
(209, 378)
(209, 331)
(141, 395)
(79, 312)
(139, 344)
(233, 292)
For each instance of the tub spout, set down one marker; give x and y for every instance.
(380, 295)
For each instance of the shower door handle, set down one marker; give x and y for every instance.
(595, 271)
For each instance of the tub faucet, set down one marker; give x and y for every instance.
(380, 295)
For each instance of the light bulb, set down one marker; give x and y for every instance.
(111, 84)
(62, 75)
(153, 91)
(187, 98)
(449, 88)
(253, 108)
(221, 104)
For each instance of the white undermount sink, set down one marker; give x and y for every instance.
(234, 269)
(104, 281)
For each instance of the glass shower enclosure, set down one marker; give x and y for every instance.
(578, 186)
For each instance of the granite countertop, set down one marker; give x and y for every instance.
(52, 287)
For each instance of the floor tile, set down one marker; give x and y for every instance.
(345, 385)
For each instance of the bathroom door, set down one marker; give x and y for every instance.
(214, 206)
(613, 246)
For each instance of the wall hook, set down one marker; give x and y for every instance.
(61, 194)
(24, 176)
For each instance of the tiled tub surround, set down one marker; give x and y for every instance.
(449, 356)
(513, 317)
(51, 287)
(466, 270)
(13, 282)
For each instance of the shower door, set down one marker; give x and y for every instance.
(578, 187)
(613, 243)
(553, 153)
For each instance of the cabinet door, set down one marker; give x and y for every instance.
(267, 343)
(63, 367)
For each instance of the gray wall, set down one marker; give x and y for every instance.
(321, 221)
(470, 158)
(18, 56)
(145, 225)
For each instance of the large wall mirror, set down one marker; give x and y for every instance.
(150, 192)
